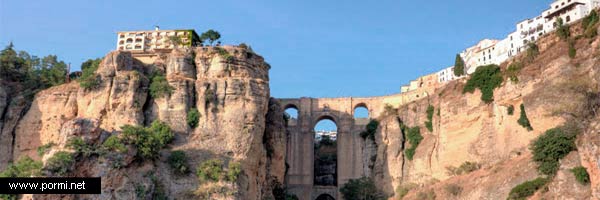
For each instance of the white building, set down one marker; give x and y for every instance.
(157, 39)
(446, 75)
(483, 53)
(568, 10)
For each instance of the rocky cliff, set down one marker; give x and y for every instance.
(553, 88)
(229, 86)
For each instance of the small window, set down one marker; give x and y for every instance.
(121, 36)
(129, 40)
(568, 18)
(138, 40)
(121, 42)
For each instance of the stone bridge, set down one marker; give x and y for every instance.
(350, 159)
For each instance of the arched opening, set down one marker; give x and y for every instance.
(290, 115)
(361, 111)
(325, 197)
(325, 152)
(121, 42)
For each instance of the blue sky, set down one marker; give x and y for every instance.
(315, 48)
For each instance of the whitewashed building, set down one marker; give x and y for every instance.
(446, 75)
(141, 41)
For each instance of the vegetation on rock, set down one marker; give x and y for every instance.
(402, 190)
(41, 150)
(513, 70)
(465, 168)
(453, 189)
(80, 147)
(526, 189)
(589, 24)
(60, 163)
(361, 189)
(213, 170)
(147, 140)
(178, 162)
(88, 79)
(550, 147)
(426, 195)
(24, 167)
(581, 175)
(562, 29)
(486, 78)
(532, 51)
(159, 86)
(429, 122)
(414, 138)
(510, 110)
(370, 130)
(193, 116)
(523, 120)
(211, 36)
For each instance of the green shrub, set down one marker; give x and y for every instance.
(581, 175)
(523, 120)
(88, 79)
(224, 54)
(465, 168)
(589, 24)
(550, 147)
(486, 78)
(193, 116)
(510, 110)
(459, 66)
(114, 143)
(572, 51)
(513, 70)
(562, 29)
(453, 189)
(60, 164)
(24, 167)
(532, 51)
(233, 171)
(389, 110)
(361, 189)
(402, 190)
(526, 189)
(429, 122)
(414, 138)
(159, 86)
(178, 162)
(148, 141)
(80, 147)
(243, 46)
(371, 129)
(210, 170)
(41, 150)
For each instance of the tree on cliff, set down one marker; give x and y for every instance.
(34, 73)
(459, 66)
(211, 36)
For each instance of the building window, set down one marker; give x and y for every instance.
(121, 42)
(138, 40)
(568, 18)
(138, 46)
(129, 40)
(122, 36)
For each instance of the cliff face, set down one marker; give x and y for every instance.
(237, 123)
(467, 129)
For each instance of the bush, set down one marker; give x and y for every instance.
(581, 175)
(60, 164)
(429, 122)
(562, 29)
(224, 54)
(210, 170)
(114, 143)
(193, 116)
(510, 110)
(414, 138)
(532, 51)
(88, 79)
(572, 51)
(371, 129)
(459, 66)
(486, 78)
(389, 110)
(550, 147)
(243, 46)
(178, 162)
(402, 190)
(233, 172)
(526, 189)
(465, 168)
(523, 120)
(148, 141)
(360, 189)
(80, 147)
(24, 167)
(453, 189)
(159, 86)
(41, 150)
(513, 70)
(589, 24)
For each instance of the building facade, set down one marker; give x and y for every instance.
(145, 41)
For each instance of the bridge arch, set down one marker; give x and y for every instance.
(361, 110)
(291, 111)
(325, 196)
